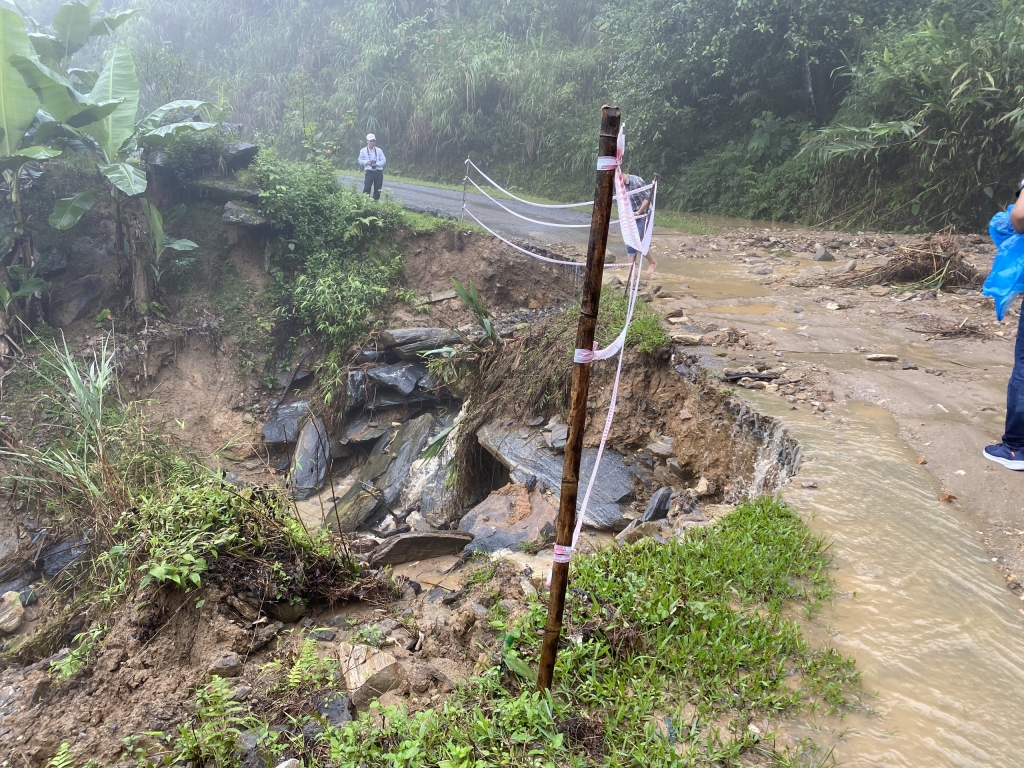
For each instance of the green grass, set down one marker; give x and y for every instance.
(645, 332)
(671, 651)
(684, 222)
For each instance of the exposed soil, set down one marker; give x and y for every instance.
(156, 653)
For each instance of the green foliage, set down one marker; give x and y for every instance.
(933, 131)
(333, 261)
(693, 626)
(63, 758)
(85, 643)
(211, 738)
(310, 671)
(371, 635)
(645, 333)
(193, 153)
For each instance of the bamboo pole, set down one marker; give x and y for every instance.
(566, 522)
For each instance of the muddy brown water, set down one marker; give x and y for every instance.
(933, 630)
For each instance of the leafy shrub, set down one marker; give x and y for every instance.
(333, 262)
(193, 153)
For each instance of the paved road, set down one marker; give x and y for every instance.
(448, 202)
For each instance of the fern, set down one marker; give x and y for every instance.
(63, 758)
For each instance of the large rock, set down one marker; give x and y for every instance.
(394, 400)
(355, 390)
(401, 377)
(365, 427)
(382, 478)
(11, 612)
(508, 517)
(309, 462)
(221, 190)
(239, 155)
(76, 300)
(61, 555)
(657, 508)
(369, 672)
(525, 454)
(283, 425)
(407, 343)
(407, 547)
(239, 214)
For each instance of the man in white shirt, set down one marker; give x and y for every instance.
(372, 160)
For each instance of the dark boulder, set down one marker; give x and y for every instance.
(310, 460)
(239, 155)
(364, 427)
(526, 454)
(657, 507)
(401, 377)
(283, 425)
(355, 390)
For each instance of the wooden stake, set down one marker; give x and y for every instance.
(566, 522)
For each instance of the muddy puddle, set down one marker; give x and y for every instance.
(707, 278)
(920, 608)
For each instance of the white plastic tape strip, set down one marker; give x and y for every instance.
(495, 184)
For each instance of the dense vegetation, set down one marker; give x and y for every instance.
(903, 114)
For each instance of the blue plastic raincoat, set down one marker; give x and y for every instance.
(1006, 279)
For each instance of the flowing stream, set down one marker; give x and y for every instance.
(933, 630)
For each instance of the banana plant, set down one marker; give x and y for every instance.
(158, 240)
(116, 141)
(32, 117)
(72, 28)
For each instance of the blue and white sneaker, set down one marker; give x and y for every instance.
(1000, 454)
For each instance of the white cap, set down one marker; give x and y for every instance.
(370, 137)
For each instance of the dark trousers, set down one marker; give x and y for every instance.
(641, 224)
(1013, 438)
(374, 180)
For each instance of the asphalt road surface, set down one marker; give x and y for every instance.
(448, 203)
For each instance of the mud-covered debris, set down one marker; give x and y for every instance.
(243, 607)
(508, 517)
(11, 612)
(286, 612)
(369, 672)
(661, 448)
(265, 634)
(656, 529)
(408, 547)
(687, 339)
(882, 358)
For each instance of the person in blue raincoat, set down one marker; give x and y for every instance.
(1010, 452)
